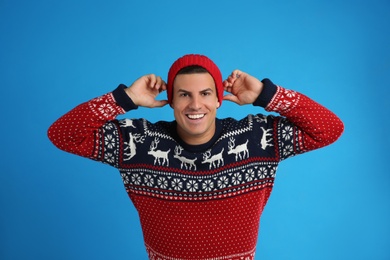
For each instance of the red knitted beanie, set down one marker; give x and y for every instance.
(199, 60)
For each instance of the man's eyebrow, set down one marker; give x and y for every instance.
(203, 90)
(182, 90)
(207, 89)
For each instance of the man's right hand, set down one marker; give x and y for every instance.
(143, 91)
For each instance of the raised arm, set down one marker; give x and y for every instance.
(317, 125)
(79, 131)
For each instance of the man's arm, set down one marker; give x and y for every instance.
(317, 126)
(79, 131)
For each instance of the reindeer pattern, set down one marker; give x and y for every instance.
(264, 141)
(159, 154)
(185, 162)
(241, 151)
(161, 149)
(130, 147)
(215, 160)
(244, 156)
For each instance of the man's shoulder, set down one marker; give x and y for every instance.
(232, 126)
(143, 125)
(241, 122)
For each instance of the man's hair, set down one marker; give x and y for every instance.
(192, 69)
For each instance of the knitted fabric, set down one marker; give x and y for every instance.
(198, 202)
(195, 59)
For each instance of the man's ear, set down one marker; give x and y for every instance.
(218, 104)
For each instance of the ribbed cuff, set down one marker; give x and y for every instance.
(122, 99)
(266, 94)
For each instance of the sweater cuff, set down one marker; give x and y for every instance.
(266, 94)
(122, 99)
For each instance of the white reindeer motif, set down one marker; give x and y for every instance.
(131, 146)
(241, 151)
(264, 142)
(261, 119)
(214, 160)
(158, 154)
(127, 123)
(187, 163)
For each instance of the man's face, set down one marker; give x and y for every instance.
(195, 104)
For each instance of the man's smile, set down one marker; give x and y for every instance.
(195, 116)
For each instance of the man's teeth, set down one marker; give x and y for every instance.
(195, 116)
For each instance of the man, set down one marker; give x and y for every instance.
(199, 183)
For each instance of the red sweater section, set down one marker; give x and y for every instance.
(320, 126)
(78, 130)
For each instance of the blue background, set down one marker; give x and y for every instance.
(332, 203)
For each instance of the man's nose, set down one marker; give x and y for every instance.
(195, 102)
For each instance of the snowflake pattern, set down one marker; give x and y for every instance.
(109, 141)
(223, 182)
(236, 179)
(272, 171)
(207, 185)
(135, 179)
(249, 175)
(240, 179)
(162, 182)
(192, 186)
(105, 109)
(287, 132)
(109, 127)
(125, 178)
(109, 158)
(149, 180)
(286, 100)
(262, 171)
(288, 149)
(177, 184)
(290, 93)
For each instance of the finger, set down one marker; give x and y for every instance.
(226, 84)
(160, 85)
(159, 82)
(229, 81)
(233, 76)
(236, 74)
(163, 86)
(228, 88)
(152, 80)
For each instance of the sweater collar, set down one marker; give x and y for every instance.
(200, 147)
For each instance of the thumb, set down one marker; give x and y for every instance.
(232, 98)
(160, 103)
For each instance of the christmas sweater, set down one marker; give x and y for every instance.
(202, 201)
